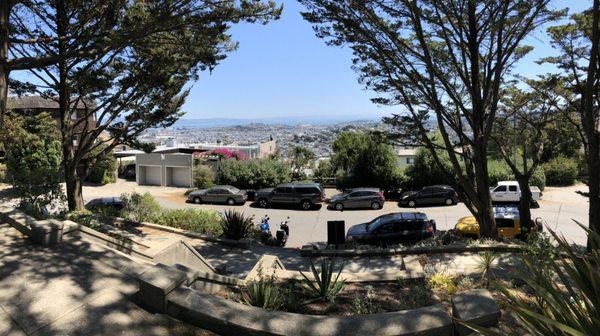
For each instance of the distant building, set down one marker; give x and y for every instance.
(405, 155)
(167, 170)
(33, 105)
(255, 151)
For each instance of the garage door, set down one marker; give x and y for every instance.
(181, 177)
(152, 176)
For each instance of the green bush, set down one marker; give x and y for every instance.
(561, 171)
(103, 172)
(204, 177)
(2, 173)
(325, 286)
(424, 171)
(253, 174)
(201, 221)
(235, 225)
(138, 207)
(263, 293)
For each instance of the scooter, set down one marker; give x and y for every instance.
(264, 226)
(281, 236)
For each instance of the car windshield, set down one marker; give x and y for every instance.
(234, 190)
(374, 224)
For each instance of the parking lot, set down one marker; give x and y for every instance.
(559, 207)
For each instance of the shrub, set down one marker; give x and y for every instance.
(253, 174)
(204, 177)
(263, 293)
(500, 171)
(366, 304)
(421, 296)
(442, 281)
(325, 285)
(2, 173)
(541, 250)
(485, 263)
(103, 172)
(235, 225)
(138, 207)
(424, 171)
(201, 221)
(561, 171)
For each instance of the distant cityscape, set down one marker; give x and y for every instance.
(317, 137)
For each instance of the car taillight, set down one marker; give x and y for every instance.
(381, 194)
(323, 198)
(429, 228)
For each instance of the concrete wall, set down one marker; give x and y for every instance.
(175, 169)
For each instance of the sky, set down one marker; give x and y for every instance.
(283, 70)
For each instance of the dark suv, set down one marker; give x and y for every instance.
(306, 195)
(398, 227)
(432, 195)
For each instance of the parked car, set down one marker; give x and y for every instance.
(306, 195)
(219, 194)
(105, 202)
(358, 198)
(509, 191)
(507, 221)
(432, 195)
(395, 227)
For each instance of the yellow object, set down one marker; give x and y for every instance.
(508, 225)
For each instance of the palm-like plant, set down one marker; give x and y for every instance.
(485, 263)
(325, 286)
(569, 307)
(235, 225)
(263, 293)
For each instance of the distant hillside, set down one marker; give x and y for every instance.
(288, 121)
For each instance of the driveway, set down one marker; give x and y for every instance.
(559, 208)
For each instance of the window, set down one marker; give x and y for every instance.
(512, 188)
(283, 190)
(307, 190)
(386, 228)
(410, 160)
(500, 188)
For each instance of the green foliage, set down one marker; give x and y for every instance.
(33, 158)
(253, 174)
(500, 171)
(201, 221)
(235, 225)
(204, 177)
(442, 281)
(485, 263)
(541, 251)
(103, 171)
(263, 293)
(301, 156)
(567, 306)
(562, 140)
(3, 177)
(365, 303)
(326, 286)
(421, 296)
(424, 171)
(140, 208)
(361, 159)
(324, 169)
(561, 171)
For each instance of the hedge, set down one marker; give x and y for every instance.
(561, 171)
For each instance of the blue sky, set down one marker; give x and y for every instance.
(282, 70)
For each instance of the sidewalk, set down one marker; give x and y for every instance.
(67, 290)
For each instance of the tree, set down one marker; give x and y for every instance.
(120, 92)
(33, 158)
(362, 159)
(254, 173)
(444, 62)
(301, 156)
(424, 171)
(576, 90)
(520, 134)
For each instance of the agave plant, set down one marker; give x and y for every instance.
(235, 225)
(569, 306)
(325, 286)
(263, 293)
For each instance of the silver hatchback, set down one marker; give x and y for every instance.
(359, 198)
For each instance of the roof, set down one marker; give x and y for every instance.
(365, 189)
(406, 152)
(38, 102)
(405, 215)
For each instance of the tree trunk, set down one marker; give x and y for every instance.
(74, 189)
(594, 190)
(485, 215)
(524, 201)
(4, 45)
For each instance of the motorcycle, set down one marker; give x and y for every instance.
(264, 226)
(281, 236)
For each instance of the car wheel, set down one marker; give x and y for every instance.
(263, 203)
(412, 204)
(306, 205)
(449, 201)
(375, 205)
(339, 206)
(197, 200)
(230, 201)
